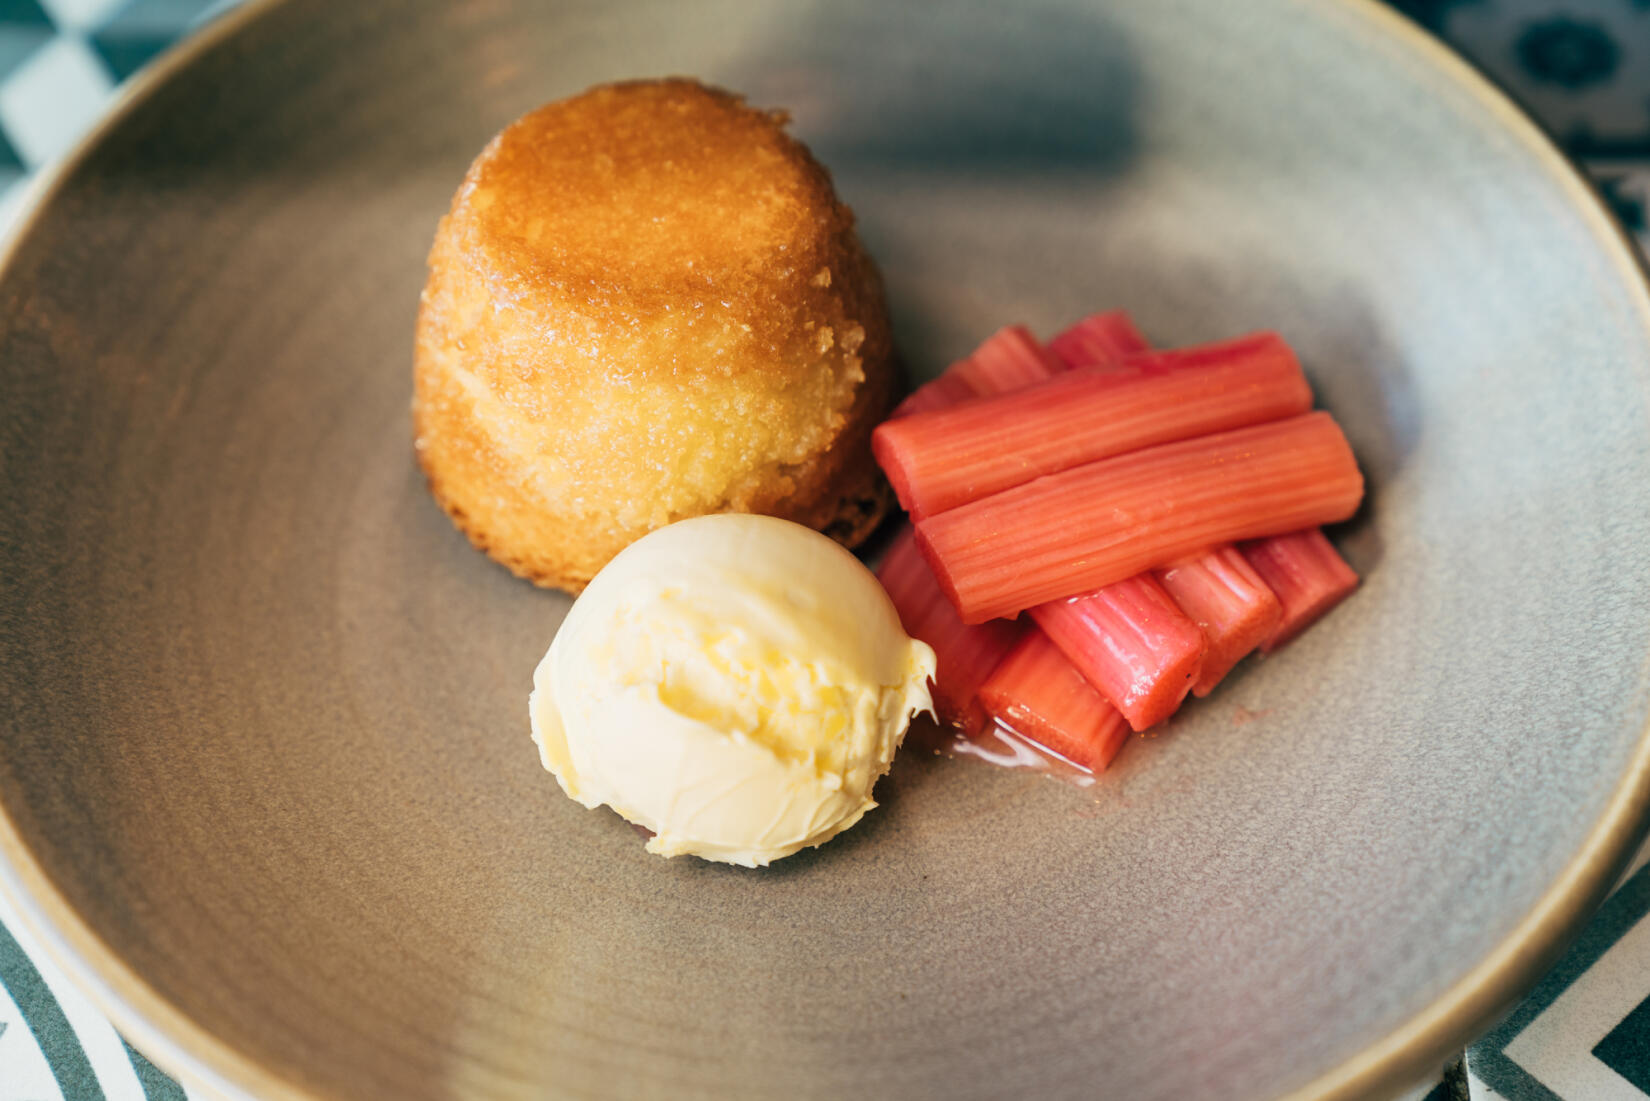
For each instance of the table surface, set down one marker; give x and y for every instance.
(1582, 66)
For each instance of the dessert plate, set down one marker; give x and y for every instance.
(267, 784)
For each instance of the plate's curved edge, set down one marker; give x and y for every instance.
(190, 1053)
(45, 185)
(1423, 1044)
(165, 1035)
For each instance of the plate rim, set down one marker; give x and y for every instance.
(178, 1044)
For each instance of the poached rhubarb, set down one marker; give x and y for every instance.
(1308, 575)
(965, 655)
(1132, 642)
(1100, 338)
(1009, 359)
(1227, 599)
(1093, 525)
(1219, 590)
(944, 458)
(1037, 693)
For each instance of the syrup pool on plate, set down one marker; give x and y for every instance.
(1001, 746)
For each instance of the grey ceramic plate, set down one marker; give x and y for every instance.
(267, 783)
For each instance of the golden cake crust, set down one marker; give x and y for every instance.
(646, 303)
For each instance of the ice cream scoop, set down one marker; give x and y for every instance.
(736, 684)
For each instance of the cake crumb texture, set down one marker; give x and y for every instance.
(647, 303)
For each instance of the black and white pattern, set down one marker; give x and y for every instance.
(54, 1044)
(61, 60)
(1584, 1032)
(1583, 66)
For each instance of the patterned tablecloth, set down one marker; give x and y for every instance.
(1583, 67)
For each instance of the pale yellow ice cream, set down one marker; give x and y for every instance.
(734, 683)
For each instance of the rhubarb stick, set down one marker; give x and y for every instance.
(1219, 590)
(945, 458)
(965, 655)
(1099, 339)
(1131, 642)
(1038, 693)
(1230, 602)
(943, 392)
(1308, 575)
(1096, 524)
(1009, 359)
(1149, 647)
